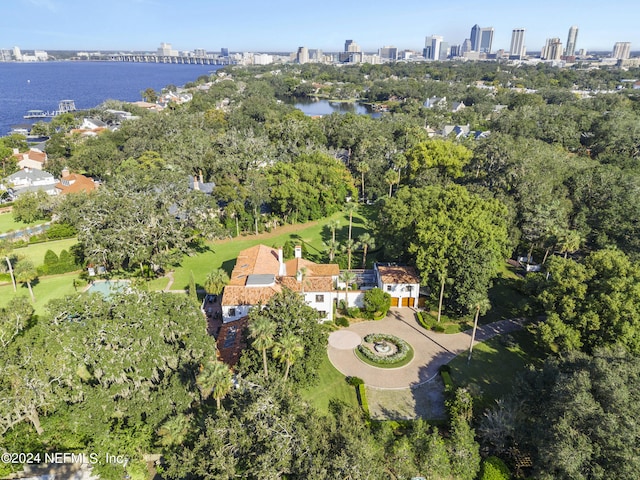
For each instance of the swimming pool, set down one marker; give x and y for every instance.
(108, 287)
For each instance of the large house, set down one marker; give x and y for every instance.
(30, 180)
(74, 183)
(261, 272)
(34, 159)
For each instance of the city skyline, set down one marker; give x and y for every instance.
(282, 25)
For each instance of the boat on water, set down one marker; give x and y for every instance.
(64, 106)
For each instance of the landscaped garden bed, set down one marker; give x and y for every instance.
(386, 351)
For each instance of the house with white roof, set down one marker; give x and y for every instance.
(31, 180)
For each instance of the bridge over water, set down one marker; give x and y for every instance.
(154, 58)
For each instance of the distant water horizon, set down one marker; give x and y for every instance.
(41, 85)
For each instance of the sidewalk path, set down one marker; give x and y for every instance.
(431, 349)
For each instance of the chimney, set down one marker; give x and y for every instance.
(196, 186)
(201, 180)
(299, 276)
(65, 172)
(16, 151)
(298, 251)
(282, 272)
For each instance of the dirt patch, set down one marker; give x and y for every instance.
(424, 401)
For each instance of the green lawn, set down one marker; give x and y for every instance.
(44, 289)
(223, 254)
(36, 251)
(494, 366)
(331, 386)
(7, 223)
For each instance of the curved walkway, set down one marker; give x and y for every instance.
(431, 349)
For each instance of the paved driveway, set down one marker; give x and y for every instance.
(431, 349)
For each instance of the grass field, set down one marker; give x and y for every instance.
(36, 251)
(331, 386)
(44, 289)
(494, 366)
(223, 254)
(8, 224)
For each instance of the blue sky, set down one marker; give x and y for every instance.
(283, 25)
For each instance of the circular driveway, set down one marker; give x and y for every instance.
(431, 349)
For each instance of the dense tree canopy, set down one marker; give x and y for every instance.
(577, 416)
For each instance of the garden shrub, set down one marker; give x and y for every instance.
(50, 258)
(362, 398)
(494, 469)
(59, 231)
(446, 379)
(355, 381)
(342, 322)
(353, 312)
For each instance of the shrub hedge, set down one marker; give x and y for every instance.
(362, 398)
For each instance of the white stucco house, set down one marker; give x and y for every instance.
(261, 272)
(402, 283)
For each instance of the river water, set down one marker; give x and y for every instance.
(41, 85)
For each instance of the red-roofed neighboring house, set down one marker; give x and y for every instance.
(34, 159)
(74, 183)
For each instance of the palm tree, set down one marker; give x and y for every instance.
(5, 251)
(391, 179)
(174, 431)
(302, 276)
(288, 349)
(26, 273)
(215, 379)
(399, 162)
(332, 246)
(348, 247)
(351, 208)
(333, 226)
(262, 331)
(482, 305)
(366, 242)
(363, 167)
(216, 281)
(347, 278)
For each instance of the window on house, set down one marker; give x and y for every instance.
(322, 313)
(388, 288)
(232, 312)
(319, 298)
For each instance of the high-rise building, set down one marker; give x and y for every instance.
(552, 49)
(224, 52)
(351, 46)
(432, 47)
(315, 55)
(572, 39)
(166, 50)
(621, 50)
(518, 49)
(388, 53)
(302, 55)
(466, 46)
(486, 39)
(475, 37)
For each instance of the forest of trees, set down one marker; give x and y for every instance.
(558, 177)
